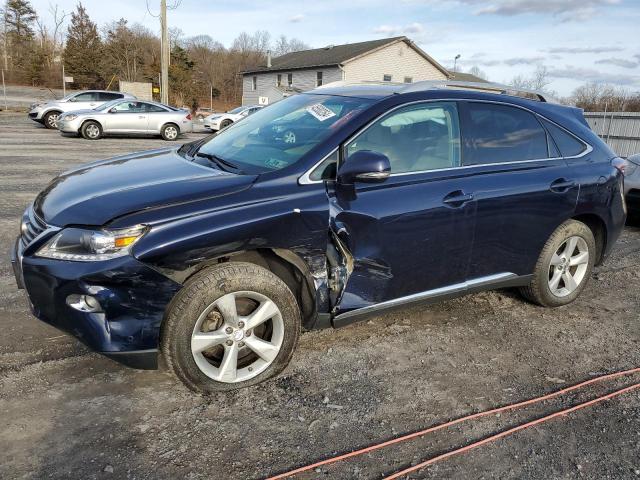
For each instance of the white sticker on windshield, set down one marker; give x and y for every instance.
(320, 112)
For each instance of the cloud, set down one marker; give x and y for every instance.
(567, 10)
(391, 30)
(618, 62)
(592, 75)
(523, 61)
(296, 18)
(603, 49)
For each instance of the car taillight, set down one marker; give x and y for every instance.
(188, 116)
(622, 165)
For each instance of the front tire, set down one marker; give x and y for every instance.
(231, 326)
(50, 119)
(564, 266)
(225, 124)
(91, 130)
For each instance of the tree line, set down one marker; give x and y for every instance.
(36, 46)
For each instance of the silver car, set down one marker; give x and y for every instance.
(47, 113)
(127, 117)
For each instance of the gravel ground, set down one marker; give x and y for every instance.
(68, 413)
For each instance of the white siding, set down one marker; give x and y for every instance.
(398, 60)
(302, 79)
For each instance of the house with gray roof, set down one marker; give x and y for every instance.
(396, 59)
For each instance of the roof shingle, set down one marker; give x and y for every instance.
(321, 57)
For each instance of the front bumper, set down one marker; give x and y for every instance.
(69, 126)
(36, 115)
(132, 295)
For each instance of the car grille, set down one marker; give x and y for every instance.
(32, 226)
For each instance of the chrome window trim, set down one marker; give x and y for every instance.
(304, 179)
(433, 293)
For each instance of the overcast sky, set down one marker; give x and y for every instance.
(577, 40)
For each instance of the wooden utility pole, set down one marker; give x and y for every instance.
(164, 54)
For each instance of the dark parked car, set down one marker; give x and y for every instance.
(217, 253)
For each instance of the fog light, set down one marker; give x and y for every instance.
(84, 303)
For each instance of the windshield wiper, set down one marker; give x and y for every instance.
(221, 163)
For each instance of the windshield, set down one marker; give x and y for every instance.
(237, 110)
(108, 105)
(279, 135)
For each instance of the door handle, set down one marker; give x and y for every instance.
(561, 185)
(457, 198)
(141, 116)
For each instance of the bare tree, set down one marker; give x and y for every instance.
(475, 70)
(283, 45)
(538, 81)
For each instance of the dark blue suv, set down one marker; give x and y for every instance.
(317, 211)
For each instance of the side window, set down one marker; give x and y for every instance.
(499, 133)
(107, 96)
(326, 170)
(129, 107)
(419, 137)
(568, 145)
(85, 97)
(151, 108)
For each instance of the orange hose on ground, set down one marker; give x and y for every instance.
(420, 433)
(511, 431)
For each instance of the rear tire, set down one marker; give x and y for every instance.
(170, 132)
(91, 130)
(564, 266)
(231, 326)
(50, 119)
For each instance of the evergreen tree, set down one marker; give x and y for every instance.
(19, 17)
(83, 52)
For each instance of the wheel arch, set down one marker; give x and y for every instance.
(91, 119)
(283, 263)
(170, 123)
(599, 229)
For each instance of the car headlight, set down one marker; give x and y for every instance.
(81, 245)
(71, 116)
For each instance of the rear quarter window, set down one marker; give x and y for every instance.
(495, 133)
(568, 145)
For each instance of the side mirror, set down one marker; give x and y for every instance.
(365, 166)
(113, 110)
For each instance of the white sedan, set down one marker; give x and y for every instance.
(218, 121)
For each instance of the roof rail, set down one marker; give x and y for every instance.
(480, 86)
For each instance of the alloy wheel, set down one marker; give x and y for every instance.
(52, 119)
(171, 133)
(237, 337)
(93, 131)
(568, 266)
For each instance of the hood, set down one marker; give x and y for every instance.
(215, 115)
(99, 192)
(81, 112)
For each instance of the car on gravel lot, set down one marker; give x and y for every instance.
(127, 117)
(218, 121)
(47, 113)
(217, 253)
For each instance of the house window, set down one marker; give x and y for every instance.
(290, 79)
(279, 80)
(318, 79)
(386, 77)
(408, 79)
(254, 83)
